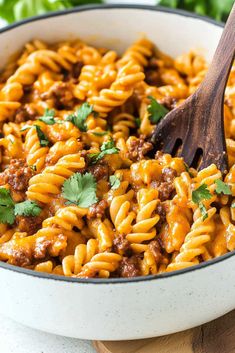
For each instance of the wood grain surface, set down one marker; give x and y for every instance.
(196, 128)
(215, 337)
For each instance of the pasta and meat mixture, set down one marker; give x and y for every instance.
(83, 192)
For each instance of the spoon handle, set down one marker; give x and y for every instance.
(217, 76)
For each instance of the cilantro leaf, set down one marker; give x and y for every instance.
(114, 182)
(101, 133)
(5, 197)
(48, 117)
(200, 194)
(222, 188)
(80, 189)
(41, 136)
(203, 211)
(79, 118)
(156, 111)
(107, 147)
(27, 208)
(7, 215)
(6, 207)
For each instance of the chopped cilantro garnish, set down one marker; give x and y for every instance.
(27, 208)
(79, 117)
(222, 188)
(41, 136)
(48, 117)
(101, 133)
(107, 147)
(156, 111)
(114, 182)
(200, 194)
(80, 190)
(8, 209)
(203, 211)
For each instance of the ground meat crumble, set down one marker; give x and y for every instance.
(129, 267)
(165, 185)
(121, 245)
(97, 210)
(138, 148)
(17, 175)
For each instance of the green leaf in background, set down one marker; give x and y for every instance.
(217, 9)
(15, 10)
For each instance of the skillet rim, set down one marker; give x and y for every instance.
(42, 275)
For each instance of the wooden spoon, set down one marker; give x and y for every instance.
(196, 127)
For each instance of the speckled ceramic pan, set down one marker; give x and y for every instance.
(118, 309)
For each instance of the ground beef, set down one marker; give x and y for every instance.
(165, 185)
(138, 148)
(17, 175)
(168, 102)
(41, 248)
(52, 247)
(61, 95)
(129, 267)
(25, 113)
(100, 171)
(168, 175)
(74, 73)
(153, 78)
(121, 245)
(155, 249)
(30, 225)
(161, 211)
(21, 257)
(97, 210)
(159, 155)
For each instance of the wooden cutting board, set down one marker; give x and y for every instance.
(215, 337)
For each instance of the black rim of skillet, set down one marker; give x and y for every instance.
(113, 280)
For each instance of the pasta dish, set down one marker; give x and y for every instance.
(83, 192)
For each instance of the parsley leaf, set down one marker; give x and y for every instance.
(48, 117)
(156, 111)
(107, 147)
(79, 118)
(41, 136)
(222, 188)
(200, 194)
(27, 208)
(114, 182)
(80, 189)
(6, 207)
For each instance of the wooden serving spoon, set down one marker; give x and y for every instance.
(197, 125)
